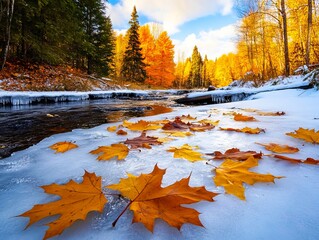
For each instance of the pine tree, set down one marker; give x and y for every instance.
(133, 68)
(196, 67)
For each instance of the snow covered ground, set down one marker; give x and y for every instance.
(287, 209)
(239, 87)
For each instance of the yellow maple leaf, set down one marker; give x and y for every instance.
(305, 134)
(112, 129)
(277, 148)
(76, 201)
(62, 147)
(232, 174)
(115, 150)
(243, 118)
(208, 121)
(150, 201)
(142, 125)
(186, 152)
(178, 133)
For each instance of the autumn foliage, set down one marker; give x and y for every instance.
(77, 200)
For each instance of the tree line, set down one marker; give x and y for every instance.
(275, 37)
(73, 32)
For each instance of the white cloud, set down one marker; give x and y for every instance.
(213, 43)
(171, 13)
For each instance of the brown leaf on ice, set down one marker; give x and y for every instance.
(121, 132)
(143, 141)
(235, 154)
(244, 130)
(296, 161)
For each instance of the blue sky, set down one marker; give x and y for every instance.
(209, 24)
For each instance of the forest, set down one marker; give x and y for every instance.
(274, 38)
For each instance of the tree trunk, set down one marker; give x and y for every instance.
(284, 23)
(7, 34)
(309, 32)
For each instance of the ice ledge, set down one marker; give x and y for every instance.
(23, 98)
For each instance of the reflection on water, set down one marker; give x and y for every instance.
(25, 125)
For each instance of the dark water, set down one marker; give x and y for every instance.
(24, 126)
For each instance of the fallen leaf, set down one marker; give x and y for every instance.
(187, 118)
(141, 125)
(244, 130)
(176, 125)
(143, 141)
(243, 118)
(294, 160)
(208, 121)
(186, 152)
(277, 148)
(260, 113)
(178, 134)
(76, 201)
(115, 150)
(121, 132)
(201, 128)
(112, 128)
(165, 140)
(150, 201)
(62, 147)
(271, 113)
(235, 154)
(232, 174)
(305, 134)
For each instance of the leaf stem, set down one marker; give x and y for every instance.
(114, 223)
(207, 163)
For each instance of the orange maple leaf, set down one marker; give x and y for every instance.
(142, 125)
(243, 118)
(150, 201)
(115, 150)
(112, 128)
(305, 134)
(77, 200)
(244, 130)
(277, 148)
(62, 147)
(232, 174)
(235, 154)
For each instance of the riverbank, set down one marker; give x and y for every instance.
(14, 98)
(288, 207)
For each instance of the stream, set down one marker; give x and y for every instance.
(25, 125)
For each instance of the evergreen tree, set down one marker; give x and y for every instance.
(133, 67)
(196, 68)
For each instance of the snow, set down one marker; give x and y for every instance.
(24, 98)
(287, 209)
(240, 89)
